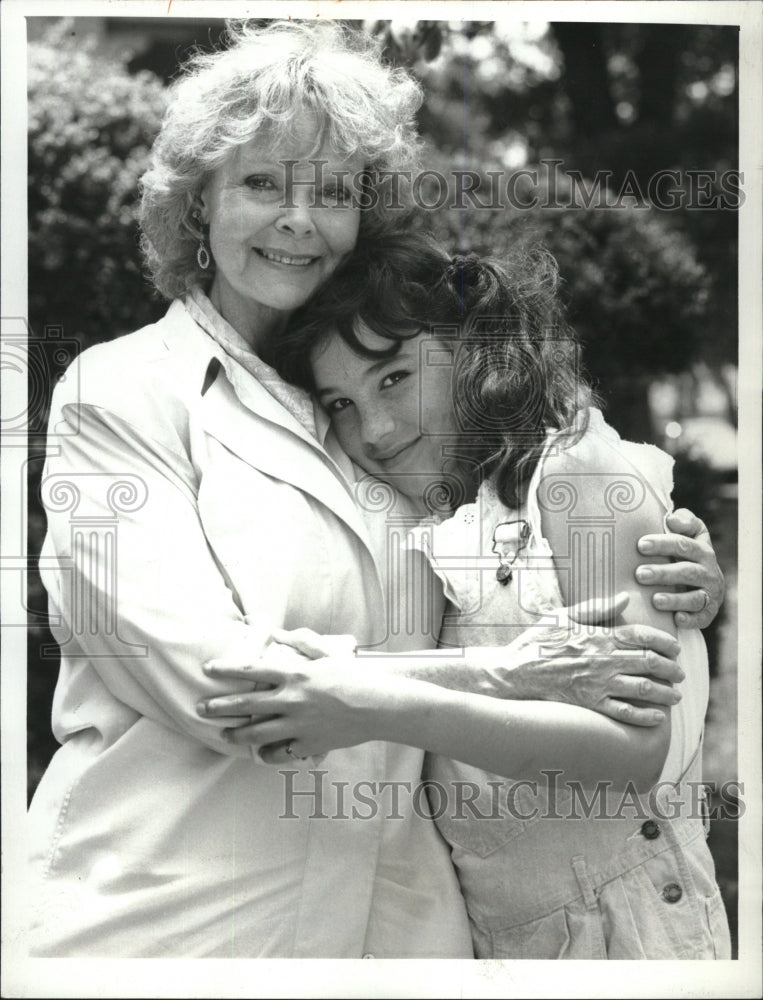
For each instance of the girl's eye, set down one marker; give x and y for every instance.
(337, 405)
(394, 378)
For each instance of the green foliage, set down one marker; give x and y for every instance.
(636, 291)
(91, 125)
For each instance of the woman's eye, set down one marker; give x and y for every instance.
(394, 378)
(260, 182)
(337, 405)
(337, 193)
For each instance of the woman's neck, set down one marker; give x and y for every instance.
(256, 323)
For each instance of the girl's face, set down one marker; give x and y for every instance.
(392, 416)
(280, 221)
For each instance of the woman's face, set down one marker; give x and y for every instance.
(279, 224)
(392, 416)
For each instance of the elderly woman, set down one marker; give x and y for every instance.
(195, 503)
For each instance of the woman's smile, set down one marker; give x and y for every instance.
(279, 257)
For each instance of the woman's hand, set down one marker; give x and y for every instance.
(312, 707)
(696, 568)
(602, 669)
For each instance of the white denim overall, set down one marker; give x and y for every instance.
(549, 871)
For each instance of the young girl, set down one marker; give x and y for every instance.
(458, 379)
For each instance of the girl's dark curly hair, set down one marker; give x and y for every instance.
(516, 370)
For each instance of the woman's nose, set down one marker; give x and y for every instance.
(296, 217)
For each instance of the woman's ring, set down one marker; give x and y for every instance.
(707, 600)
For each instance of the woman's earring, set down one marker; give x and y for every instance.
(202, 255)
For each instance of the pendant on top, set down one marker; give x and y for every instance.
(509, 538)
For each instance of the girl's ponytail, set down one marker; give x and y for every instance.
(474, 280)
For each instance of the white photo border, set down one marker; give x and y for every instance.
(22, 976)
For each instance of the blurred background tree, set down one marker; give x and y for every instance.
(91, 126)
(632, 100)
(651, 292)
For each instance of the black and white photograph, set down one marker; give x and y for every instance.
(381, 499)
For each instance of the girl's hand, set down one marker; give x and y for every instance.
(696, 569)
(275, 654)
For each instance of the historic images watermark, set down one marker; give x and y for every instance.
(31, 364)
(551, 798)
(545, 185)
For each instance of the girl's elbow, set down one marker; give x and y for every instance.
(640, 767)
(652, 756)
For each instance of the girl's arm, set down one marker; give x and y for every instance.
(604, 669)
(342, 701)
(595, 674)
(595, 507)
(320, 705)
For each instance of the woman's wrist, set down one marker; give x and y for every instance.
(495, 671)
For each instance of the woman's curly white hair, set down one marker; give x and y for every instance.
(264, 77)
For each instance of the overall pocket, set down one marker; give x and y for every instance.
(477, 812)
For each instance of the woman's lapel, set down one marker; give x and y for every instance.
(256, 427)
(266, 436)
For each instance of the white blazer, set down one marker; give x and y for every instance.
(185, 520)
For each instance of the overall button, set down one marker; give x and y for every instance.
(650, 829)
(672, 892)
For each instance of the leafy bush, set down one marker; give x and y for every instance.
(91, 126)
